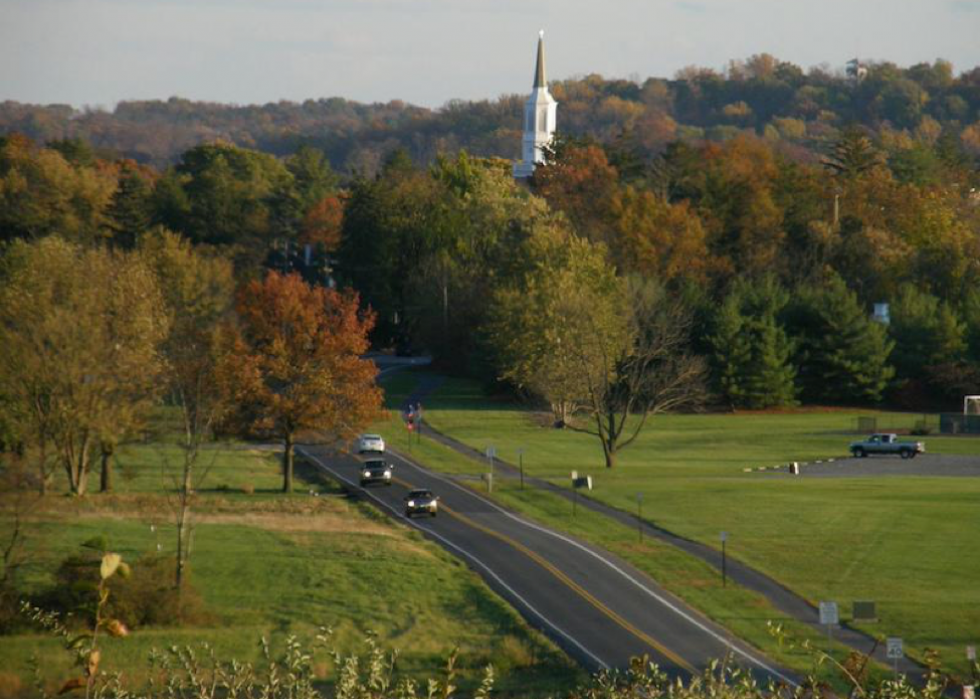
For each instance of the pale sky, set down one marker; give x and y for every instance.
(98, 52)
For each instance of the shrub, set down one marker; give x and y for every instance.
(10, 686)
(146, 598)
(10, 618)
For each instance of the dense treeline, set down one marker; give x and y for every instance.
(801, 111)
(768, 243)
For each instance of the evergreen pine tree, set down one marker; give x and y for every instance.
(926, 331)
(731, 351)
(770, 377)
(752, 350)
(843, 354)
(130, 208)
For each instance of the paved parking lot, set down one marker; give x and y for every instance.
(923, 465)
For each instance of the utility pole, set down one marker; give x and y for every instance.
(520, 459)
(724, 560)
(639, 516)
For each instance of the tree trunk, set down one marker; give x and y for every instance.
(42, 481)
(82, 486)
(287, 464)
(183, 516)
(184, 519)
(77, 465)
(609, 437)
(105, 481)
(610, 454)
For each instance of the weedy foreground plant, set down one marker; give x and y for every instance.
(186, 673)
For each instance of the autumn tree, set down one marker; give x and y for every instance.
(733, 188)
(81, 330)
(558, 322)
(579, 180)
(198, 292)
(221, 194)
(652, 372)
(390, 224)
(478, 245)
(296, 363)
(658, 239)
(42, 193)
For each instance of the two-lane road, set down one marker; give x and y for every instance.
(597, 608)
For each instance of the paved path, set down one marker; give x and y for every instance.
(598, 608)
(781, 597)
(947, 465)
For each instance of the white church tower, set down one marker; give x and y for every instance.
(540, 112)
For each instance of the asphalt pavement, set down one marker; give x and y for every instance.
(873, 466)
(782, 598)
(599, 609)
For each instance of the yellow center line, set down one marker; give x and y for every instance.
(575, 587)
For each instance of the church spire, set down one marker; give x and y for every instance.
(540, 111)
(539, 78)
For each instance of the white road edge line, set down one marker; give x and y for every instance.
(528, 605)
(667, 603)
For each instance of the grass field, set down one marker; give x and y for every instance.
(907, 543)
(271, 565)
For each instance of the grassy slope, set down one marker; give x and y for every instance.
(907, 543)
(271, 565)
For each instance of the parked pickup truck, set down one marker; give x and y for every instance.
(887, 444)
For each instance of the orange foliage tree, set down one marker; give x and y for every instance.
(659, 239)
(323, 222)
(296, 363)
(579, 181)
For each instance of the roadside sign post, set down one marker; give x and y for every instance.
(829, 617)
(639, 516)
(418, 425)
(583, 482)
(971, 653)
(491, 452)
(409, 428)
(724, 560)
(895, 652)
(520, 460)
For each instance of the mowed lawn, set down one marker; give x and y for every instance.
(907, 543)
(270, 565)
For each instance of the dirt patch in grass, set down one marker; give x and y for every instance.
(330, 523)
(285, 514)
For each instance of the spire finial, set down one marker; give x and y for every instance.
(539, 78)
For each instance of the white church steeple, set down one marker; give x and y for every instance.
(540, 112)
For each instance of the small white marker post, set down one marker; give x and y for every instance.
(829, 617)
(895, 652)
(971, 653)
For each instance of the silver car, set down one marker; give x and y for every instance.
(370, 442)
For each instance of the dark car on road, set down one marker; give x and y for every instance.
(419, 502)
(376, 471)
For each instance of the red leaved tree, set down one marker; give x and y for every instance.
(295, 363)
